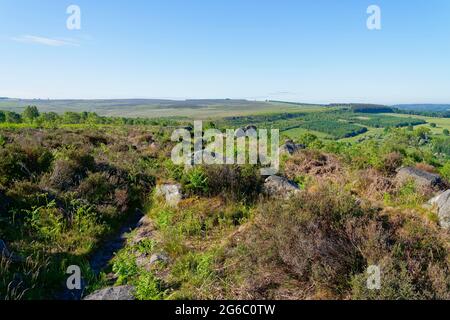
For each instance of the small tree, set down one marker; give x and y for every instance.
(433, 125)
(2, 117)
(12, 117)
(71, 118)
(446, 132)
(30, 113)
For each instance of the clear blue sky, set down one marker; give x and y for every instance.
(298, 50)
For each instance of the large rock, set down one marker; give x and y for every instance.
(276, 186)
(144, 230)
(146, 261)
(171, 192)
(113, 294)
(242, 132)
(250, 127)
(290, 147)
(442, 204)
(422, 178)
(158, 257)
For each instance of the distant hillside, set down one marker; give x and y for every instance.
(424, 107)
(155, 108)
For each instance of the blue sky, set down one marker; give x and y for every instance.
(314, 51)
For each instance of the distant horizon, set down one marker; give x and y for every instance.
(225, 99)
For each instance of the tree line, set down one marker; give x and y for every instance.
(32, 115)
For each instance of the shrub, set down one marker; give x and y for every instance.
(12, 117)
(194, 269)
(310, 235)
(396, 284)
(445, 171)
(174, 171)
(408, 195)
(95, 188)
(307, 139)
(122, 199)
(80, 155)
(148, 287)
(17, 163)
(391, 162)
(414, 264)
(46, 222)
(25, 195)
(239, 183)
(124, 266)
(196, 181)
(66, 174)
(328, 240)
(12, 160)
(312, 163)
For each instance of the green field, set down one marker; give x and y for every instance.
(341, 124)
(442, 123)
(298, 132)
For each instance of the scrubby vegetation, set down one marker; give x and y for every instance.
(65, 190)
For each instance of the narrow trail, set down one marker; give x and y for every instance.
(104, 254)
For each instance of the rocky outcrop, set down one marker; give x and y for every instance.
(250, 127)
(442, 204)
(144, 230)
(423, 179)
(276, 186)
(158, 257)
(171, 192)
(242, 132)
(112, 294)
(289, 147)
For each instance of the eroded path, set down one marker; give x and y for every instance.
(105, 253)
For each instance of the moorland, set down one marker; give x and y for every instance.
(360, 179)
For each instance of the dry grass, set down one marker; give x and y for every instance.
(313, 163)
